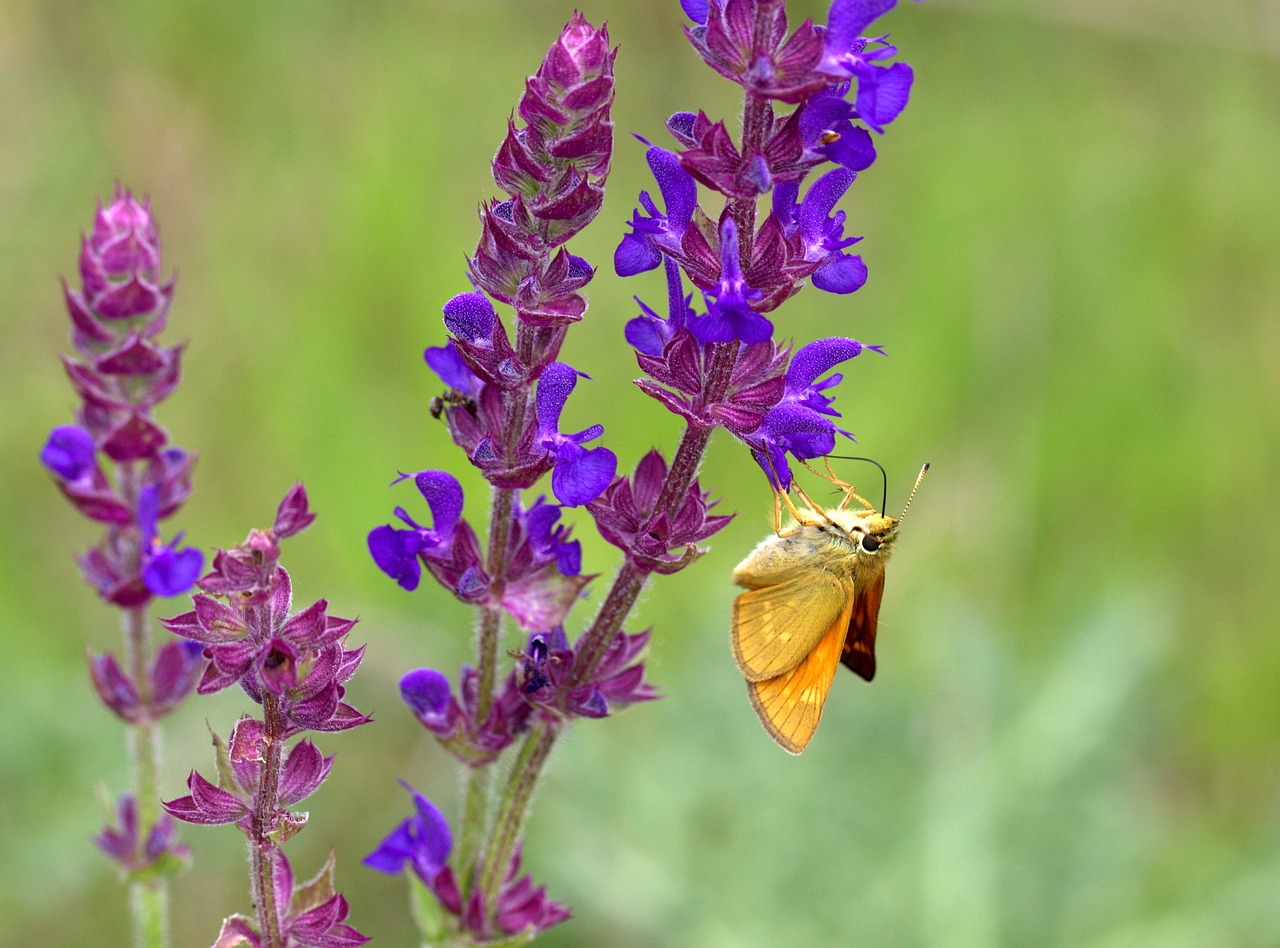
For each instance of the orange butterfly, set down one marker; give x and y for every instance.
(812, 601)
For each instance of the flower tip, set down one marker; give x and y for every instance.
(426, 691)
(68, 452)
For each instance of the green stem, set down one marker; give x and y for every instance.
(148, 899)
(475, 812)
(513, 808)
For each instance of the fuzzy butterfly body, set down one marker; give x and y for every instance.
(812, 602)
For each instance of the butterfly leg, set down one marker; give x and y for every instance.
(850, 493)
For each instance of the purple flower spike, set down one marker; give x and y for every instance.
(580, 474)
(423, 841)
(69, 452)
(729, 316)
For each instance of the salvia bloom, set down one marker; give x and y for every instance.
(424, 842)
(473, 736)
(141, 852)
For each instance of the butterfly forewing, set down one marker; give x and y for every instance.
(790, 705)
(774, 628)
(860, 644)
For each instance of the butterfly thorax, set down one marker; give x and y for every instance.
(850, 544)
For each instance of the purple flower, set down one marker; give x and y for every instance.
(580, 474)
(166, 570)
(616, 681)
(657, 233)
(311, 914)
(800, 424)
(156, 852)
(882, 90)
(423, 842)
(174, 671)
(627, 516)
(826, 130)
(821, 236)
(69, 453)
(450, 550)
(729, 314)
(455, 720)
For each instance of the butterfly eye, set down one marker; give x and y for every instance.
(869, 543)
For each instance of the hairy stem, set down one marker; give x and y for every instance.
(475, 811)
(513, 808)
(261, 847)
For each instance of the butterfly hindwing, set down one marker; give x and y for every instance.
(860, 644)
(790, 705)
(774, 628)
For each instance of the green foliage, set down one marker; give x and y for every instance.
(1072, 241)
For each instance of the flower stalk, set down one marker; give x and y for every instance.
(294, 664)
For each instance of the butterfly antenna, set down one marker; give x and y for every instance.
(912, 496)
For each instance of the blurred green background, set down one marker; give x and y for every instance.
(1072, 233)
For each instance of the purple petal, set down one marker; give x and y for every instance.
(435, 841)
(426, 691)
(818, 357)
(148, 513)
(840, 274)
(696, 10)
(453, 371)
(581, 475)
(444, 496)
(847, 19)
(396, 553)
(171, 572)
(470, 316)
(679, 191)
(554, 386)
(883, 98)
(635, 255)
(819, 201)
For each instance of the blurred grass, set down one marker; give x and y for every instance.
(1075, 736)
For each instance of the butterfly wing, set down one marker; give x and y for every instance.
(790, 705)
(860, 644)
(774, 628)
